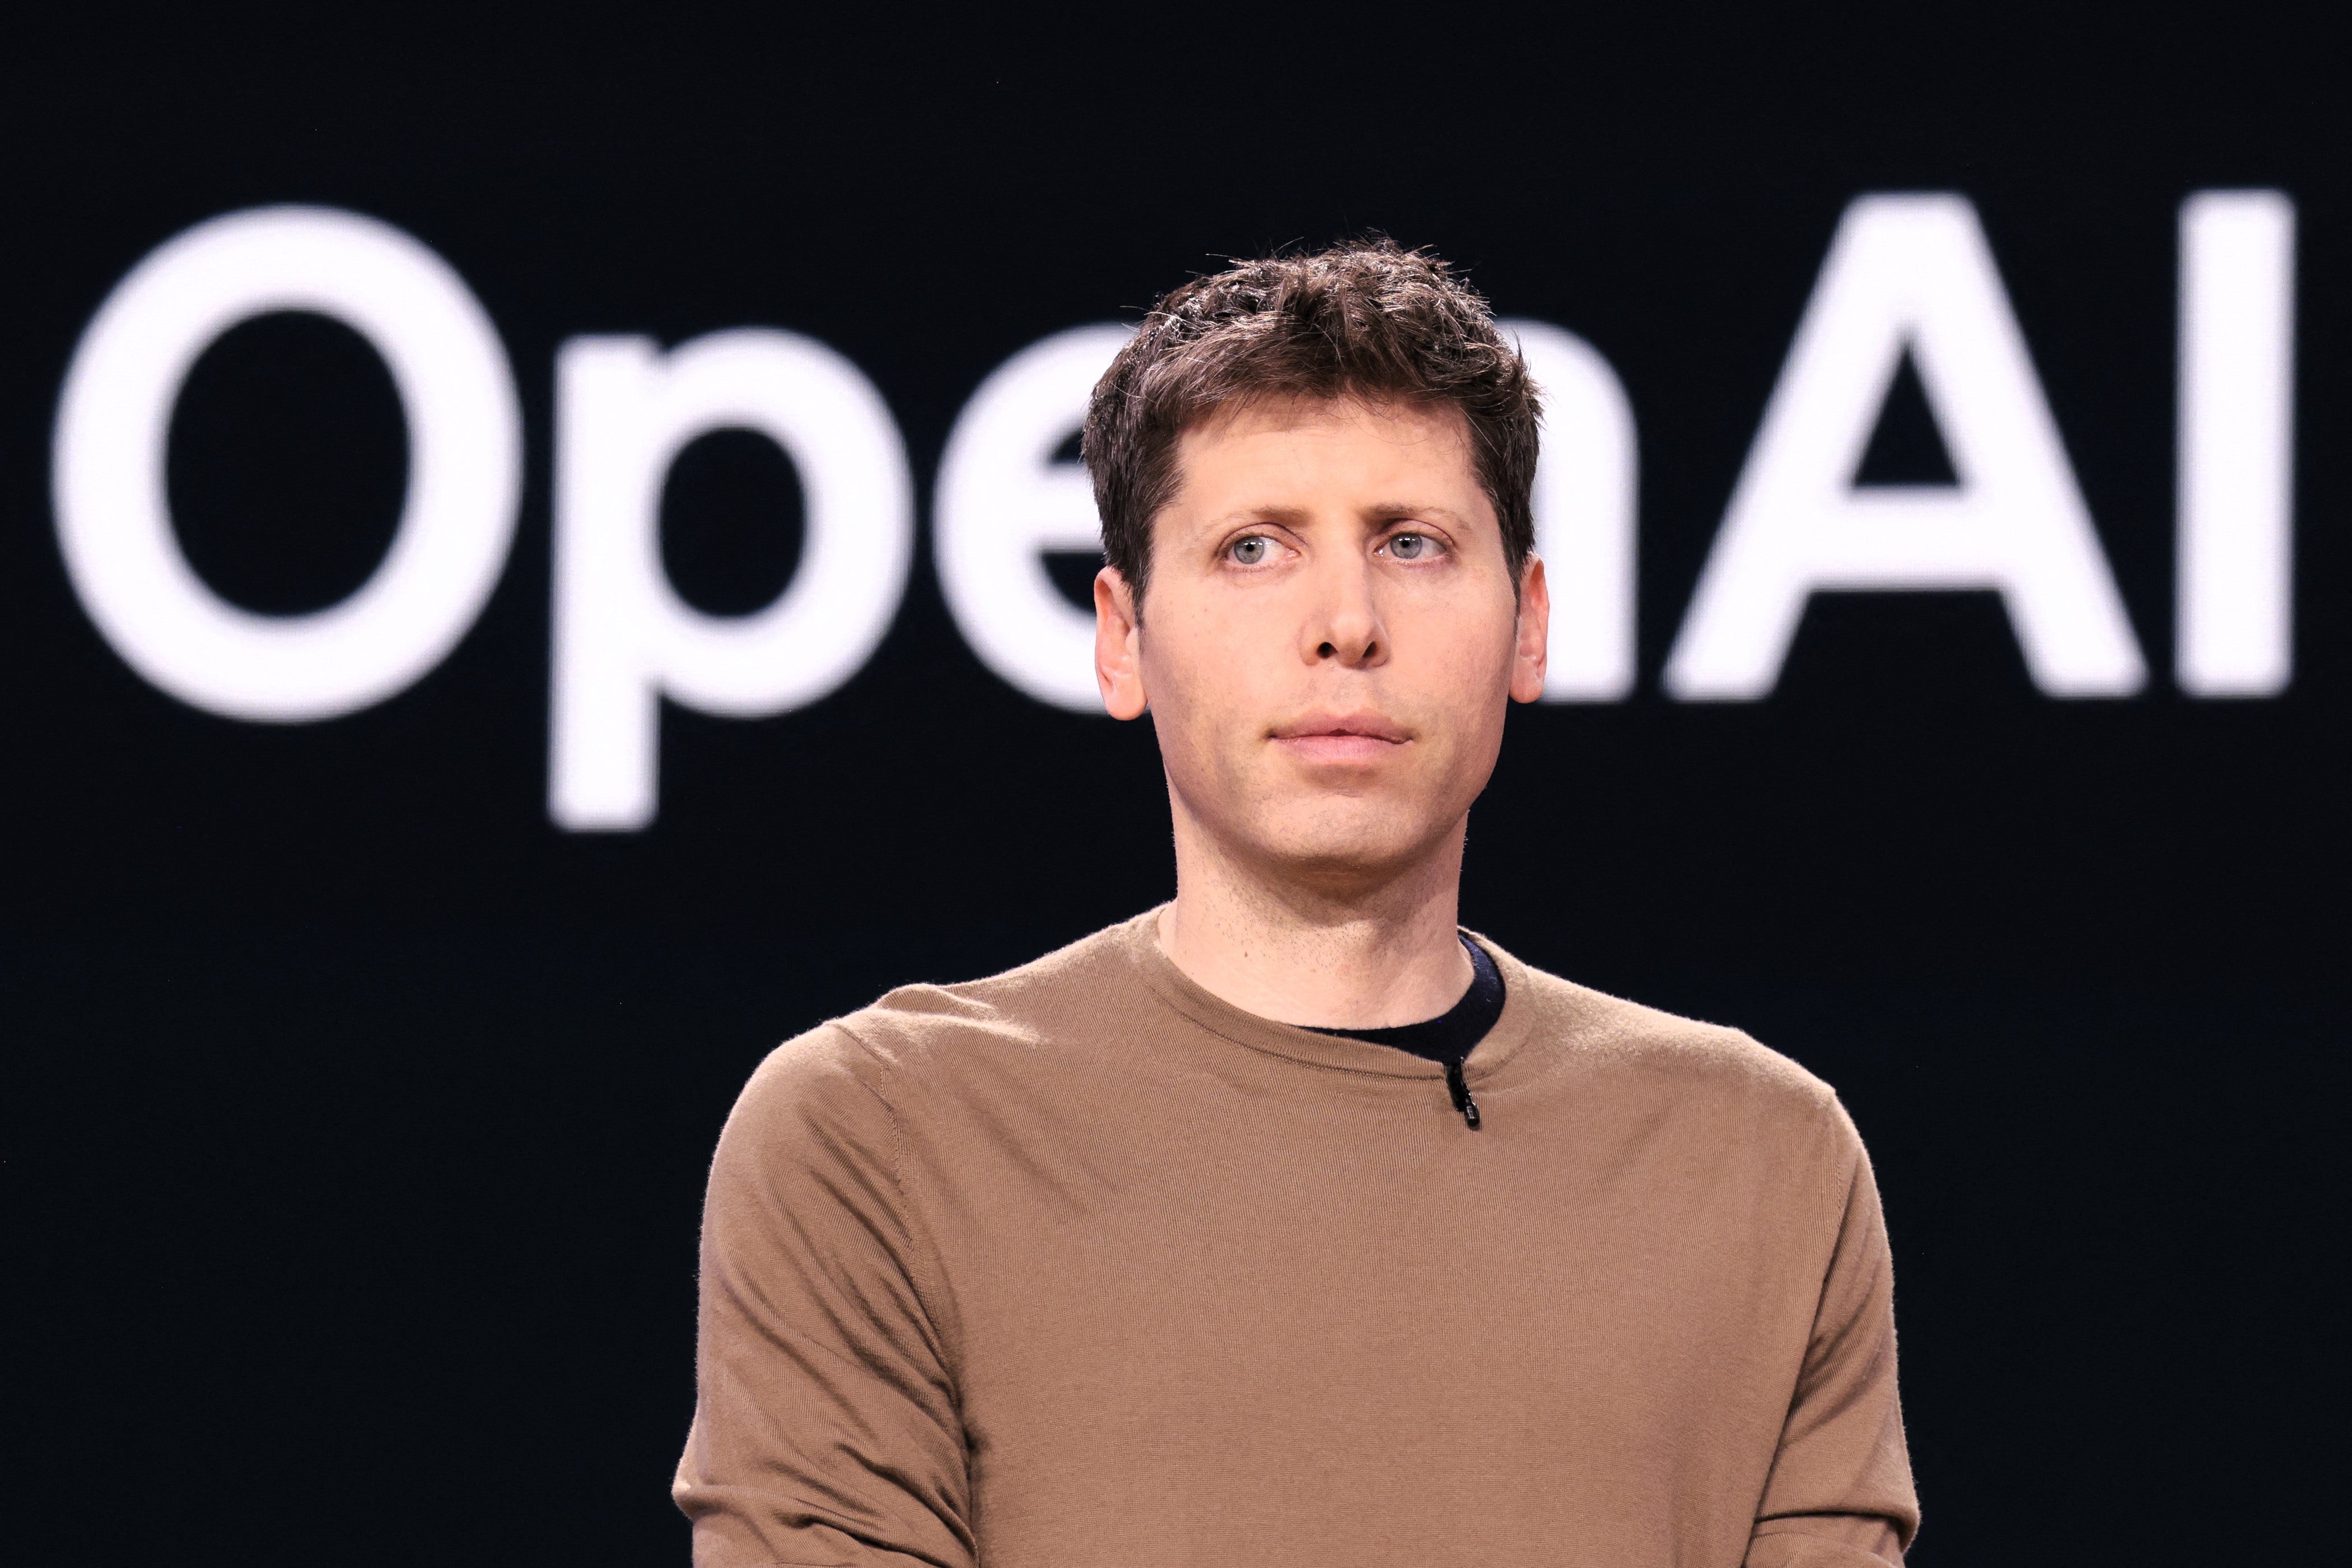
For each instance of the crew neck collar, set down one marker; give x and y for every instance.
(1141, 938)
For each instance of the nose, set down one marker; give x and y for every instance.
(1343, 626)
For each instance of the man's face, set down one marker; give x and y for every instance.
(1331, 636)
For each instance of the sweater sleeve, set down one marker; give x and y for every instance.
(825, 1429)
(1840, 1492)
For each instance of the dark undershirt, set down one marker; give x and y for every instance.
(1450, 1036)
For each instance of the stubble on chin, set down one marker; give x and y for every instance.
(1341, 843)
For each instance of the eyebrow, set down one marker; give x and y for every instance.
(1391, 511)
(1379, 512)
(1283, 514)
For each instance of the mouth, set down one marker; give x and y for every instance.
(1342, 738)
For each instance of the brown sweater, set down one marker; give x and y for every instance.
(1081, 1267)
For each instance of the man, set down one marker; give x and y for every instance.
(1288, 1223)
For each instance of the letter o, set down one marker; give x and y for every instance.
(465, 465)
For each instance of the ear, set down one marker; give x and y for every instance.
(1533, 652)
(1118, 647)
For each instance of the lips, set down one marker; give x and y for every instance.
(1341, 737)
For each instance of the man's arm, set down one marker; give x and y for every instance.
(825, 1430)
(1839, 1493)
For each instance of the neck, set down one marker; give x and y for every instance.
(1364, 954)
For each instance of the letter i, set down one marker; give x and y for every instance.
(2235, 588)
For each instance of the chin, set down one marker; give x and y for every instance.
(1344, 853)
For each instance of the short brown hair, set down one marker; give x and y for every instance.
(1366, 319)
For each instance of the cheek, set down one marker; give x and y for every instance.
(1198, 679)
(1469, 671)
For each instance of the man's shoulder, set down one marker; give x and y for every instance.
(1637, 1045)
(1071, 995)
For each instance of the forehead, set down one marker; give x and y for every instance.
(1289, 442)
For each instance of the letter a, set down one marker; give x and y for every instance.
(1906, 272)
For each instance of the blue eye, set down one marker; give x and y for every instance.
(1413, 547)
(1249, 551)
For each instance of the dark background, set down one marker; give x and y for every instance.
(353, 1117)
